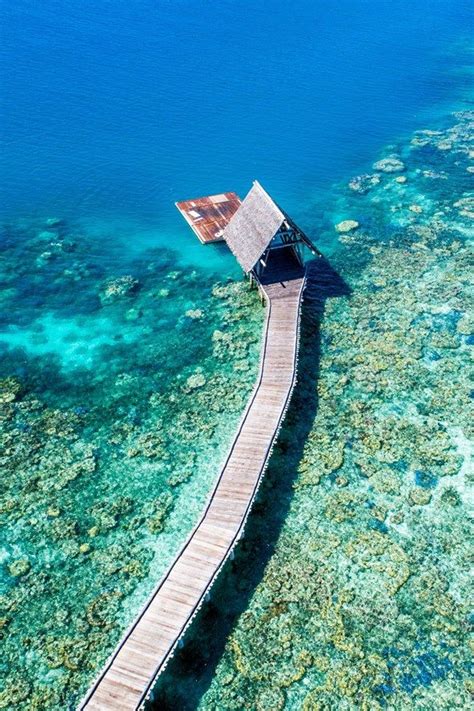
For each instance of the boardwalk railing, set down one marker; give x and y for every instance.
(128, 676)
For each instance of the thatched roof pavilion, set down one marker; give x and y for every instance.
(265, 241)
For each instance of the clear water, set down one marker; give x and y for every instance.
(115, 110)
(352, 590)
(128, 350)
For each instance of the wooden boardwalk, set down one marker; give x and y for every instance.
(145, 649)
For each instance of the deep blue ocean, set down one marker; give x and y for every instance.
(114, 110)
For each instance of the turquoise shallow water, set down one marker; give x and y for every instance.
(110, 442)
(351, 589)
(128, 350)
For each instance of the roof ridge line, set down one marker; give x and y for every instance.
(269, 197)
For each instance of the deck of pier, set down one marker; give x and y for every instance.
(140, 657)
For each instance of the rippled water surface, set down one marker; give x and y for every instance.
(128, 350)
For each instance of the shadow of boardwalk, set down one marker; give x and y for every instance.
(191, 670)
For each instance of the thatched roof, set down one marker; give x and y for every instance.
(253, 227)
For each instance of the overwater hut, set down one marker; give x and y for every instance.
(266, 242)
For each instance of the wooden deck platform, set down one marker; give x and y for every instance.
(142, 654)
(208, 216)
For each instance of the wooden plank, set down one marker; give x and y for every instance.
(208, 216)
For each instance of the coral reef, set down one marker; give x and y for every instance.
(112, 434)
(118, 287)
(364, 602)
(347, 226)
(363, 183)
(391, 164)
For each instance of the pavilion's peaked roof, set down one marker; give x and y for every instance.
(253, 226)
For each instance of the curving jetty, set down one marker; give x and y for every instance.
(127, 678)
